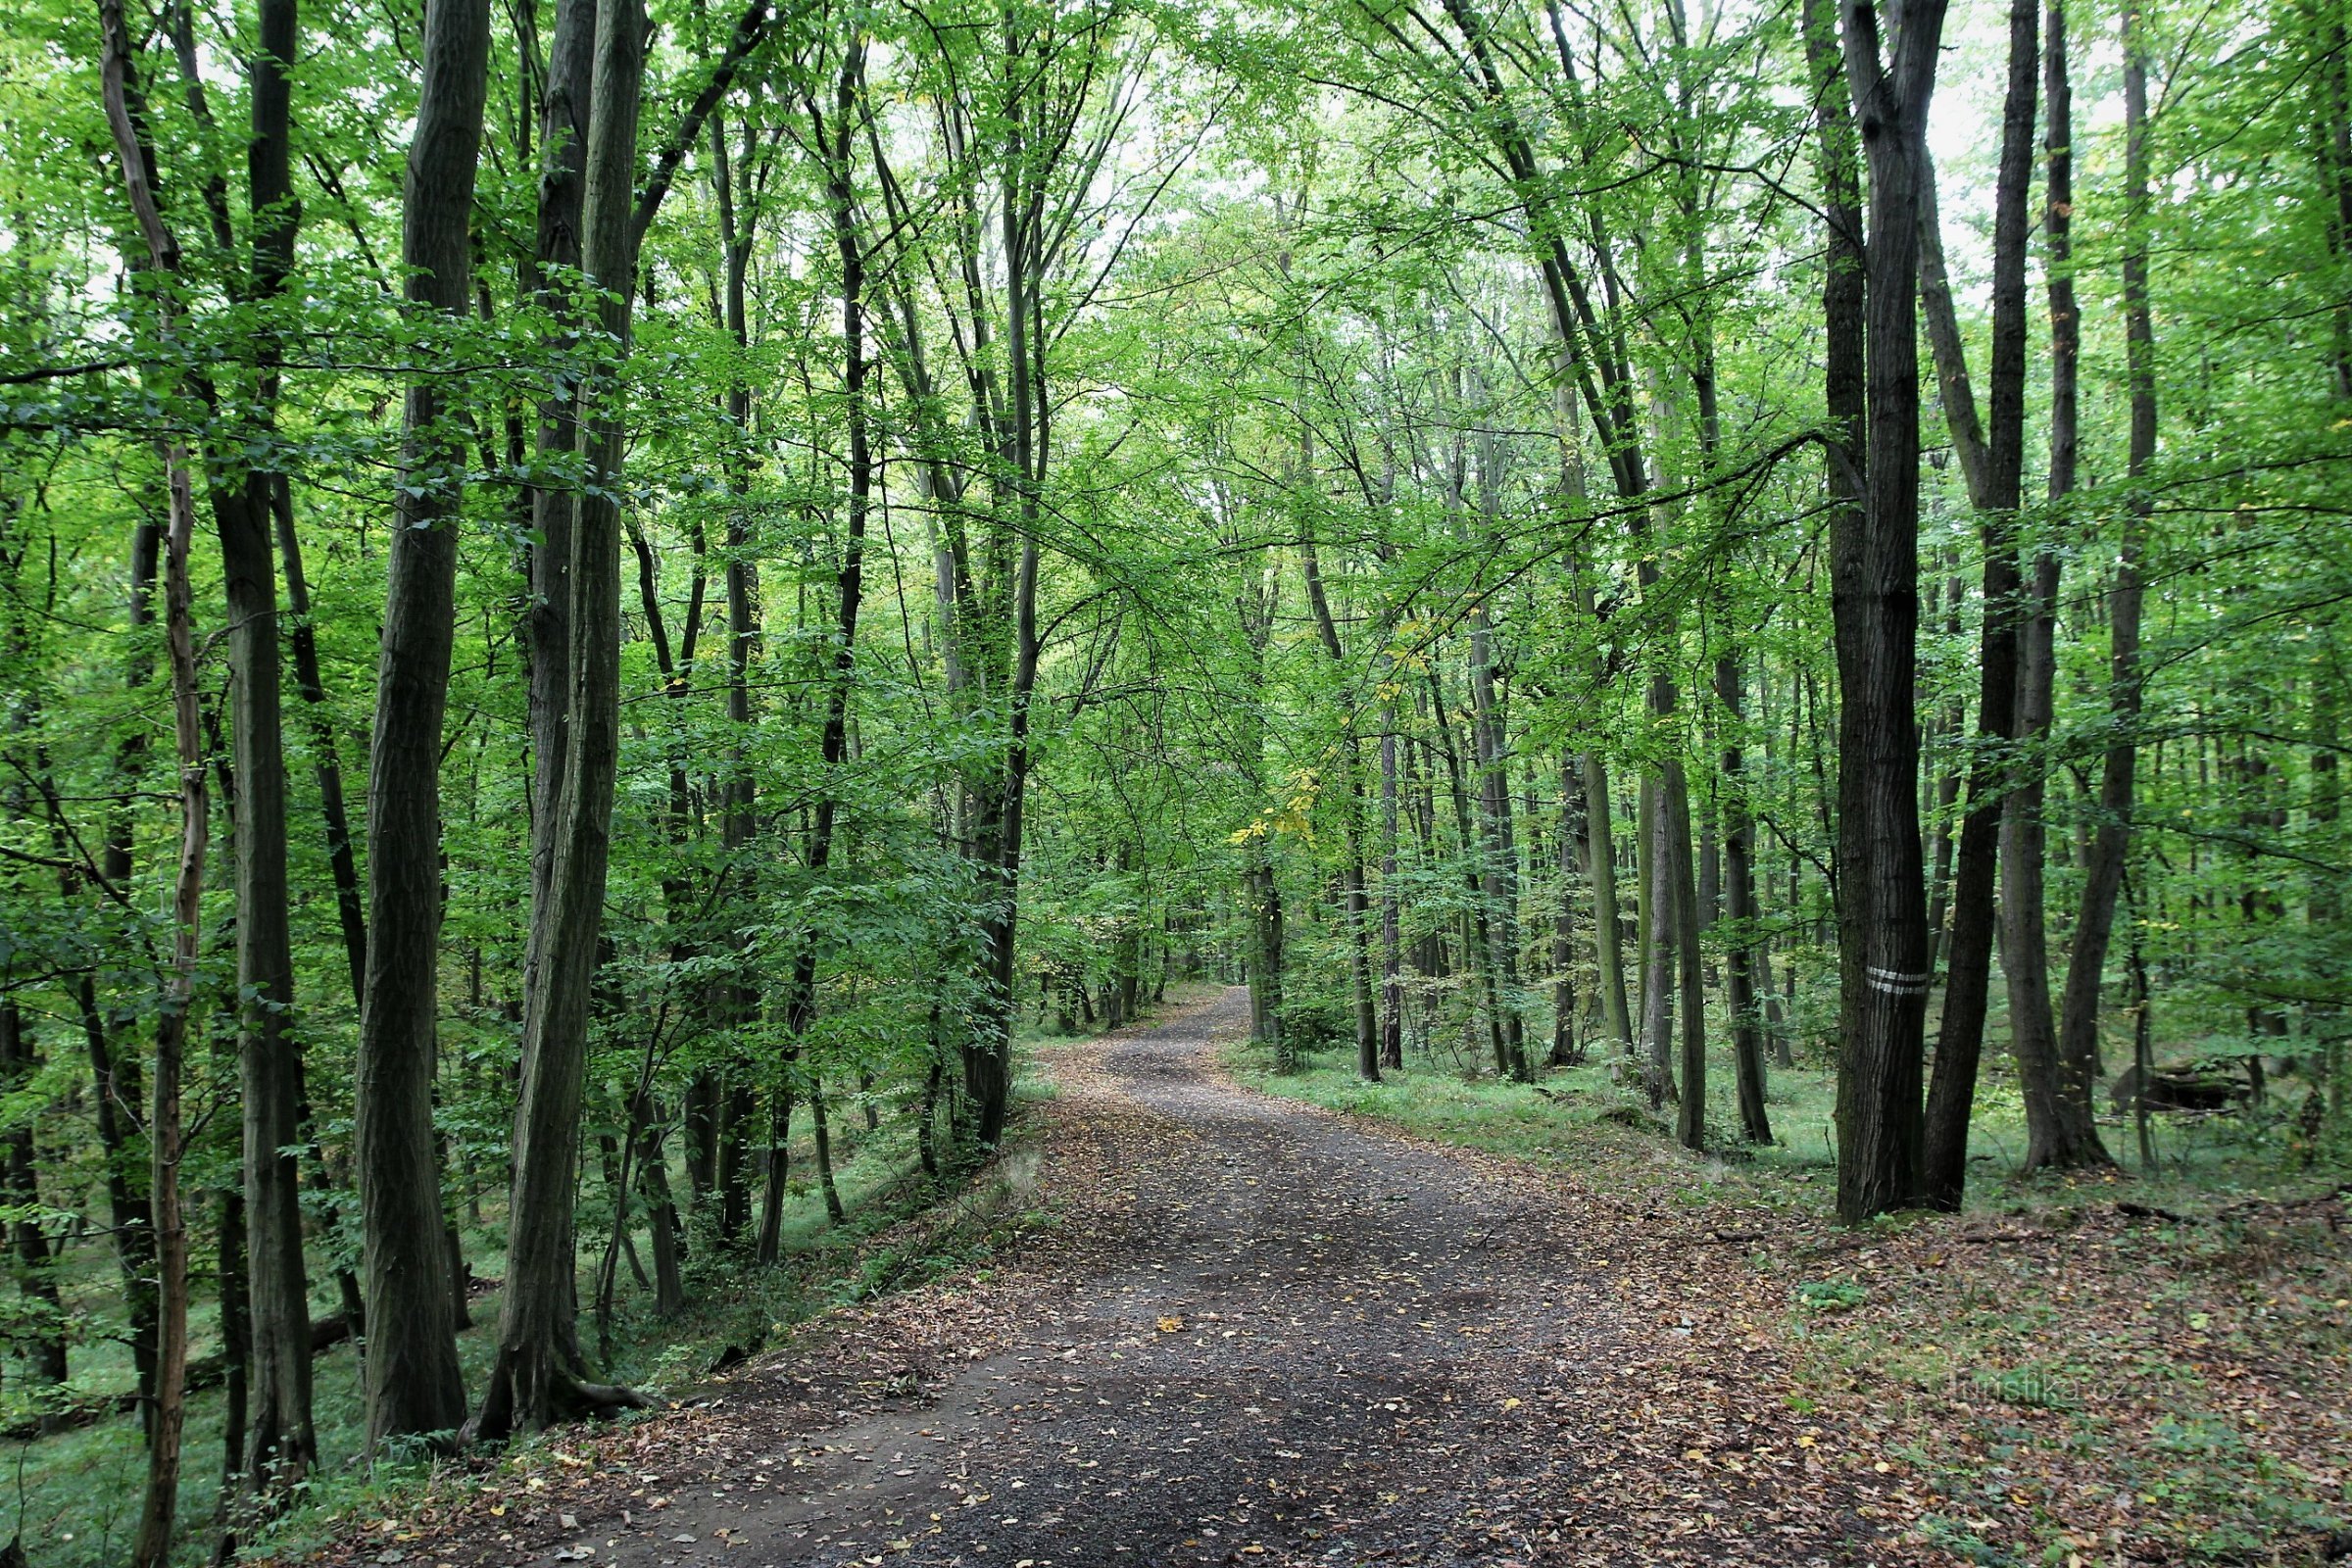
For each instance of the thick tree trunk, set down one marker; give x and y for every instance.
(1883, 935)
(539, 1373)
(563, 113)
(413, 1386)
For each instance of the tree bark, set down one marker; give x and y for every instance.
(539, 1373)
(1744, 949)
(1995, 468)
(2111, 842)
(151, 1544)
(413, 1386)
(1883, 927)
(279, 1447)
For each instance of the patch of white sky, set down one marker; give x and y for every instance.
(1964, 125)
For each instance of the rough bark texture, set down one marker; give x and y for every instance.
(547, 622)
(1883, 927)
(413, 1387)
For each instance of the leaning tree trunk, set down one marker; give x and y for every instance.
(413, 1385)
(1882, 916)
(539, 1373)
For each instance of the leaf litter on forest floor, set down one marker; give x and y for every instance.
(1530, 1370)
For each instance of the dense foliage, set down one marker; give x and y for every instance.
(978, 509)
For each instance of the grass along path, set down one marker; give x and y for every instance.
(2110, 1370)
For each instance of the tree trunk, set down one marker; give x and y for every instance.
(1565, 1049)
(1745, 950)
(1882, 926)
(1995, 469)
(1682, 904)
(280, 1447)
(2060, 1130)
(1392, 952)
(2111, 842)
(42, 1336)
(564, 129)
(151, 1545)
(539, 1373)
(413, 1386)
(1607, 937)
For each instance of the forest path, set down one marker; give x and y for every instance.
(1262, 1335)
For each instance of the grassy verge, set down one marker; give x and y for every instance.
(2131, 1365)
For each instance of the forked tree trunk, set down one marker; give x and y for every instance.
(2060, 1130)
(151, 1544)
(413, 1385)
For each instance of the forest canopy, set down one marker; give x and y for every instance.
(592, 592)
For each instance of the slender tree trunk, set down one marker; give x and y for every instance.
(1499, 877)
(151, 1544)
(2060, 1130)
(1392, 952)
(1744, 950)
(821, 1130)
(1565, 1049)
(42, 1338)
(540, 1373)
(2110, 845)
(413, 1386)
(1682, 888)
(1359, 907)
(1995, 469)
(1607, 935)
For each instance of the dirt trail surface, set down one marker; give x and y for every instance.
(1260, 1334)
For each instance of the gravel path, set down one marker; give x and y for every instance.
(1261, 1334)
